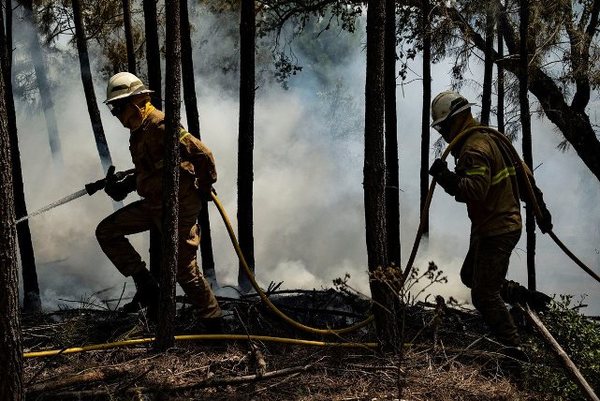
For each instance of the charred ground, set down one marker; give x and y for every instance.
(447, 355)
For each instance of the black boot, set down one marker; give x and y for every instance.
(147, 293)
(514, 293)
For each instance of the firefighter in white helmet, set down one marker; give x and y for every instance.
(485, 179)
(129, 101)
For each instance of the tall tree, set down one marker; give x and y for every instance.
(131, 66)
(154, 83)
(41, 76)
(88, 87)
(426, 111)
(193, 120)
(11, 359)
(486, 97)
(31, 290)
(165, 330)
(374, 172)
(153, 51)
(526, 129)
(392, 189)
(246, 138)
(500, 81)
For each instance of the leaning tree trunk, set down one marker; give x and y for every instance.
(31, 290)
(154, 83)
(165, 332)
(88, 87)
(526, 128)
(486, 98)
(11, 359)
(425, 128)
(392, 189)
(246, 139)
(571, 118)
(131, 66)
(374, 173)
(193, 120)
(41, 76)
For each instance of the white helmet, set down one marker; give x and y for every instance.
(446, 105)
(122, 85)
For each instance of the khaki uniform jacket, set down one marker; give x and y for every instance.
(487, 184)
(146, 144)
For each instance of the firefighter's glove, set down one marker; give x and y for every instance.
(118, 190)
(446, 178)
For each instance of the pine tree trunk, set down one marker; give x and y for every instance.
(41, 76)
(166, 324)
(486, 98)
(500, 70)
(153, 51)
(88, 87)
(131, 66)
(11, 359)
(374, 170)
(193, 120)
(31, 290)
(154, 83)
(527, 140)
(425, 116)
(246, 139)
(392, 189)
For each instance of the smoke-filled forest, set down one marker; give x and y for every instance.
(299, 200)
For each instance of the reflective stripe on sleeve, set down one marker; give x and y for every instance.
(502, 174)
(477, 171)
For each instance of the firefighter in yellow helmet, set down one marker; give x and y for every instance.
(129, 101)
(485, 179)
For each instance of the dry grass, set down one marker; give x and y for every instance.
(463, 369)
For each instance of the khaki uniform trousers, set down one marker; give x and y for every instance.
(141, 216)
(484, 272)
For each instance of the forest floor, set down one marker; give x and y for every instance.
(448, 355)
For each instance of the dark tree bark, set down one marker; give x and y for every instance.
(11, 359)
(500, 115)
(154, 83)
(486, 98)
(392, 189)
(88, 87)
(374, 173)
(246, 139)
(31, 290)
(193, 120)
(526, 129)
(41, 76)
(131, 66)
(425, 116)
(153, 51)
(166, 324)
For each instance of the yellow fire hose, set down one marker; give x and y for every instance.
(198, 337)
(262, 294)
(299, 325)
